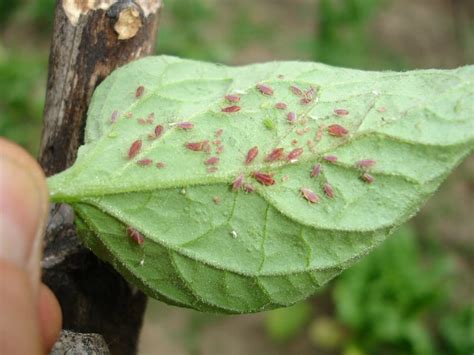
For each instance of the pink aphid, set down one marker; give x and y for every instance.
(212, 169)
(381, 109)
(142, 121)
(309, 195)
(212, 161)
(367, 178)
(281, 106)
(248, 188)
(294, 154)
(341, 112)
(265, 89)
(296, 90)
(160, 165)
(251, 155)
(275, 154)
(310, 144)
(219, 149)
(291, 117)
(197, 146)
(144, 162)
(310, 92)
(337, 130)
(319, 134)
(129, 115)
(114, 116)
(135, 235)
(306, 100)
(294, 142)
(217, 142)
(158, 131)
(232, 98)
(219, 132)
(264, 178)
(134, 149)
(365, 163)
(237, 183)
(150, 118)
(316, 170)
(230, 109)
(328, 190)
(300, 132)
(139, 92)
(216, 200)
(185, 125)
(330, 158)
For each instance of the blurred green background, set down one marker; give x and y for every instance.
(414, 295)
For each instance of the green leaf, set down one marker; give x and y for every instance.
(214, 249)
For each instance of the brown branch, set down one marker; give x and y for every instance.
(89, 43)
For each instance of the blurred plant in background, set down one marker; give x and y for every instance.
(411, 296)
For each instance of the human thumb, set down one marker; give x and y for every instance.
(23, 213)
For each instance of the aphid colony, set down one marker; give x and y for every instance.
(277, 154)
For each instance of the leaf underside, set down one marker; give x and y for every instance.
(209, 247)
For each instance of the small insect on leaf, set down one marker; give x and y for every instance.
(114, 116)
(341, 112)
(231, 109)
(158, 131)
(291, 117)
(134, 149)
(144, 162)
(269, 123)
(281, 106)
(211, 169)
(251, 155)
(139, 92)
(150, 118)
(197, 146)
(365, 163)
(309, 195)
(135, 235)
(219, 132)
(212, 161)
(337, 130)
(185, 125)
(232, 98)
(265, 89)
(316, 170)
(264, 178)
(296, 90)
(319, 134)
(367, 178)
(237, 183)
(275, 154)
(160, 165)
(217, 200)
(328, 190)
(381, 109)
(330, 158)
(219, 149)
(294, 154)
(248, 188)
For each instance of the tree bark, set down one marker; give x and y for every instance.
(89, 41)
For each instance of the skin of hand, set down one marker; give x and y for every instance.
(30, 316)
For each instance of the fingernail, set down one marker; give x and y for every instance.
(21, 212)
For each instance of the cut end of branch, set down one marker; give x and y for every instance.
(129, 23)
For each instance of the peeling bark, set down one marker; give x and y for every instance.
(91, 38)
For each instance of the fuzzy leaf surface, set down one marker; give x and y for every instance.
(214, 249)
